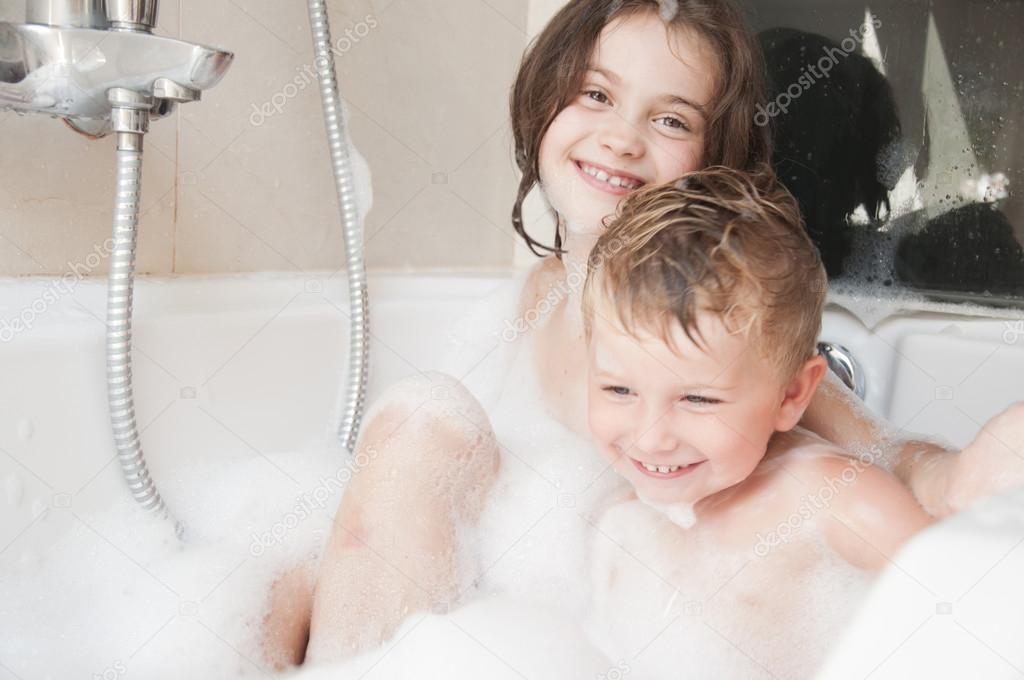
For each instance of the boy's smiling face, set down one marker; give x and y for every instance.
(640, 117)
(681, 424)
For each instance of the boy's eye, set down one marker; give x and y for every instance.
(675, 123)
(700, 401)
(617, 390)
(596, 95)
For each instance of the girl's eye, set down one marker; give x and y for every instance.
(675, 123)
(596, 95)
(698, 400)
(617, 390)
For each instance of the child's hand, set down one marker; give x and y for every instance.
(992, 463)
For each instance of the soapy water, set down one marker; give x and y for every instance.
(695, 607)
(871, 289)
(534, 609)
(119, 595)
(680, 514)
(495, 637)
(872, 304)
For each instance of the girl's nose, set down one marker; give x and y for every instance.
(622, 138)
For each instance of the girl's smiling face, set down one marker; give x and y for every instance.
(639, 119)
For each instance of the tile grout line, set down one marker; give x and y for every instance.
(177, 167)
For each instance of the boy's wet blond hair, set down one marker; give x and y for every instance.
(717, 240)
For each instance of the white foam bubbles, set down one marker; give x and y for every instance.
(681, 514)
(494, 637)
(118, 594)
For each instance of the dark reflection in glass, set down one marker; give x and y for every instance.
(964, 253)
(897, 127)
(832, 116)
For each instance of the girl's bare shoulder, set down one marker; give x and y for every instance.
(542, 277)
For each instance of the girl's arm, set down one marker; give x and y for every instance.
(942, 480)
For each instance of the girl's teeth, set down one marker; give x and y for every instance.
(614, 180)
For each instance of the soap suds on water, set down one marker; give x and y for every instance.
(870, 288)
(681, 514)
(119, 591)
(120, 595)
(696, 608)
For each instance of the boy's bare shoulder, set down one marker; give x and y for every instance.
(816, 463)
(869, 513)
(800, 461)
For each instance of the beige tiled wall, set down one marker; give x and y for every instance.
(226, 189)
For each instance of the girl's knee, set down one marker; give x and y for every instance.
(431, 395)
(429, 416)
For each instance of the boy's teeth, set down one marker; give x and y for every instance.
(614, 180)
(664, 469)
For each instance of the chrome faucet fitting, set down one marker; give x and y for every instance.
(129, 117)
(73, 52)
(132, 15)
(67, 13)
(842, 362)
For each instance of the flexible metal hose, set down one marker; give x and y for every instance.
(337, 140)
(120, 284)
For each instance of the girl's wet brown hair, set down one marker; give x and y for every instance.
(554, 65)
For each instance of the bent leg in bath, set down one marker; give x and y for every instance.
(425, 462)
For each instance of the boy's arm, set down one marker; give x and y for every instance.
(836, 414)
(871, 514)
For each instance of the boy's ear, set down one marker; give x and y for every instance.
(798, 393)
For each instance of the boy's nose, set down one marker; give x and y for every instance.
(656, 438)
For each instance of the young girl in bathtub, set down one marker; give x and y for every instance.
(702, 310)
(612, 95)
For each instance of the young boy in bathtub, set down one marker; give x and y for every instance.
(702, 308)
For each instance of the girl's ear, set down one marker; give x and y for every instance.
(798, 393)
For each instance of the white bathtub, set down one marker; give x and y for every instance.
(249, 369)
(254, 364)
